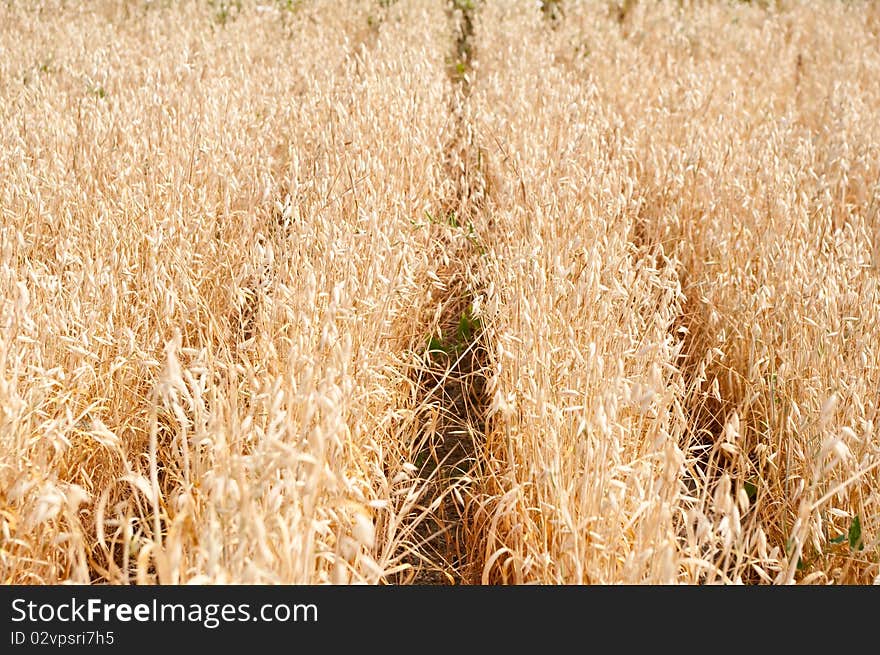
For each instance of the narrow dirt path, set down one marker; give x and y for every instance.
(452, 382)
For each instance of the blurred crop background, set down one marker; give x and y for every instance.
(425, 291)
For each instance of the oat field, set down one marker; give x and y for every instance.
(439, 292)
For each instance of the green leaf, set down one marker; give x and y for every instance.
(751, 490)
(436, 345)
(855, 534)
(464, 329)
(467, 326)
(838, 540)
